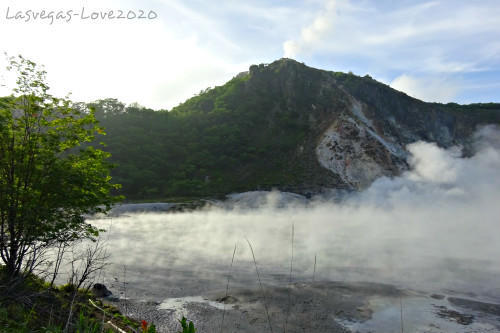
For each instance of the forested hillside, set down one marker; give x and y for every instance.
(261, 129)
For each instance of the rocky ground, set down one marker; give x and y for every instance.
(321, 307)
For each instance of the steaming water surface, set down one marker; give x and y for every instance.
(184, 254)
(176, 259)
(433, 229)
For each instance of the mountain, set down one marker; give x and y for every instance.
(281, 125)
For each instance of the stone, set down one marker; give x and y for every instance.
(100, 290)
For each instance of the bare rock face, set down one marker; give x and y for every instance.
(100, 290)
(353, 149)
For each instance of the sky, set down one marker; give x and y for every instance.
(443, 51)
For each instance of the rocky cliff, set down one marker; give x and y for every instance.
(281, 125)
(360, 127)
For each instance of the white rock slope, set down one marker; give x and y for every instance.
(352, 148)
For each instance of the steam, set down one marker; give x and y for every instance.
(435, 226)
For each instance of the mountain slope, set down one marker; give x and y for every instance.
(281, 125)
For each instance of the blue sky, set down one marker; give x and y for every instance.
(434, 50)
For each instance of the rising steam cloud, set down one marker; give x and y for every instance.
(435, 226)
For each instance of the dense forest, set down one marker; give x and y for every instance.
(257, 131)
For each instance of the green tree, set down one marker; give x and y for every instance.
(50, 177)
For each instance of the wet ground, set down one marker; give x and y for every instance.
(321, 307)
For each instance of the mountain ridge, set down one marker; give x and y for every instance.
(282, 125)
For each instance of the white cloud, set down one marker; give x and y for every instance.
(429, 89)
(432, 38)
(313, 33)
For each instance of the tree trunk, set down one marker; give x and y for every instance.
(11, 264)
